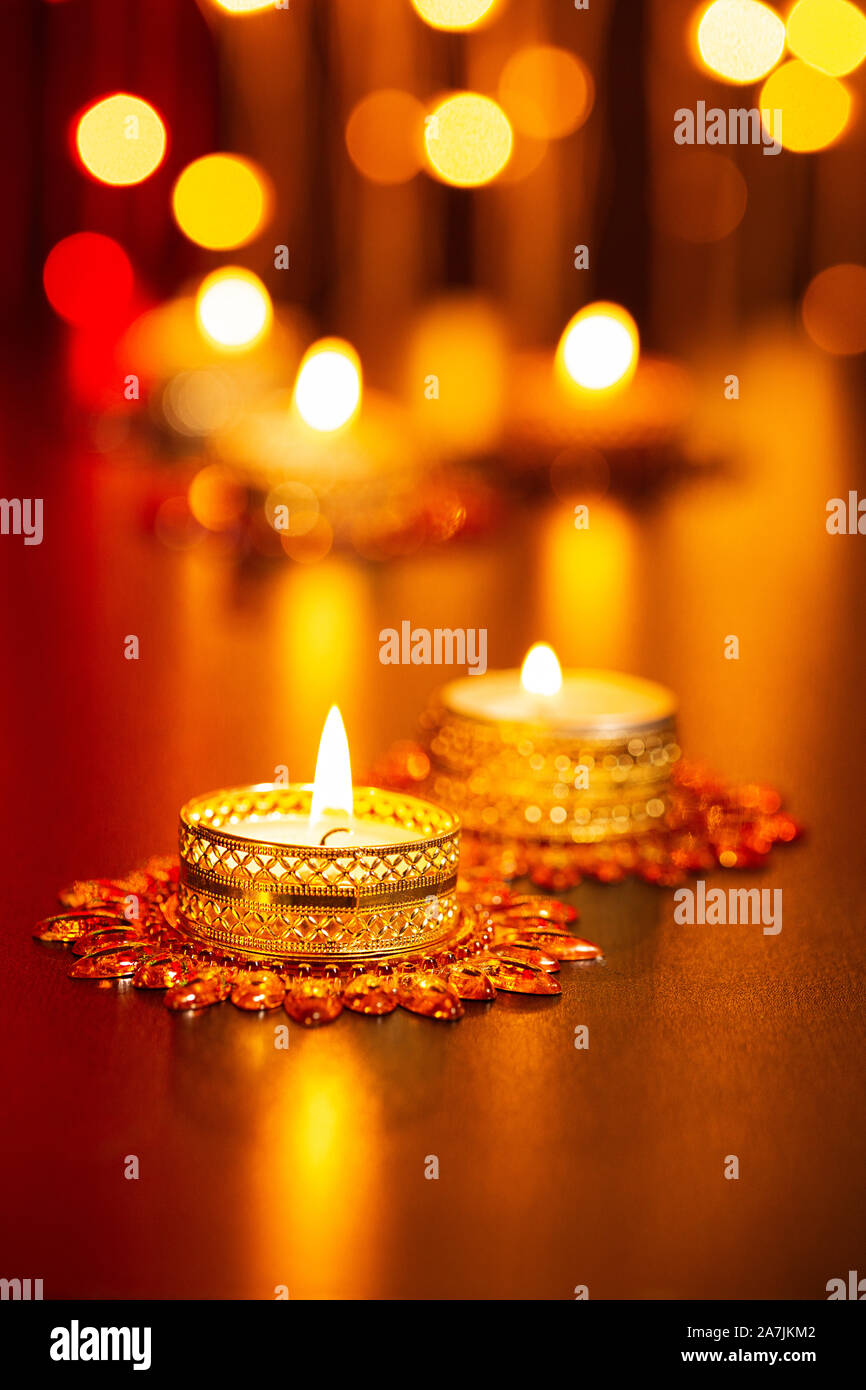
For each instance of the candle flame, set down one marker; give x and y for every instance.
(332, 790)
(328, 388)
(599, 348)
(541, 673)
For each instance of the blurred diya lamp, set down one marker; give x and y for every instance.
(578, 757)
(370, 484)
(317, 899)
(557, 776)
(599, 397)
(287, 470)
(274, 443)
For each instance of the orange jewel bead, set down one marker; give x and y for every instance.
(312, 1002)
(422, 992)
(258, 989)
(370, 994)
(468, 982)
(199, 993)
(163, 972)
(108, 965)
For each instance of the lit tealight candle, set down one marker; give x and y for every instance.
(324, 872)
(584, 702)
(580, 755)
(332, 820)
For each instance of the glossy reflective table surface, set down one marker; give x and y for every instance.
(557, 1167)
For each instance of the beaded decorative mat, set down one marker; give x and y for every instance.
(503, 940)
(131, 929)
(708, 825)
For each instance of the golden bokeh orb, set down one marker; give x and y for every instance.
(454, 14)
(740, 40)
(313, 545)
(328, 387)
(121, 139)
(242, 7)
(828, 34)
(815, 107)
(599, 347)
(233, 308)
(216, 499)
(220, 201)
(834, 310)
(547, 92)
(468, 139)
(385, 136)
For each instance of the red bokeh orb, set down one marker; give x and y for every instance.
(88, 279)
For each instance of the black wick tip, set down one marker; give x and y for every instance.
(336, 831)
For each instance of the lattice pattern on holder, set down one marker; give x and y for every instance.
(296, 901)
(516, 780)
(265, 931)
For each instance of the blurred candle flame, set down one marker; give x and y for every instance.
(233, 308)
(599, 347)
(328, 388)
(332, 789)
(541, 673)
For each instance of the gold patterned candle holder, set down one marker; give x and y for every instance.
(503, 943)
(275, 901)
(524, 779)
(561, 776)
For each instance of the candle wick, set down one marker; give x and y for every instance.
(336, 831)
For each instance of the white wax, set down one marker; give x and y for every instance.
(589, 702)
(297, 830)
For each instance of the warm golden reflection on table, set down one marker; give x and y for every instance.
(322, 1146)
(329, 321)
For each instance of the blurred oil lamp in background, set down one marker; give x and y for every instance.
(294, 455)
(600, 393)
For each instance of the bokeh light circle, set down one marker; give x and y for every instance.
(311, 547)
(701, 197)
(200, 401)
(740, 40)
(244, 6)
(328, 387)
(547, 92)
(216, 499)
(453, 14)
(828, 34)
(121, 139)
(815, 107)
(233, 308)
(220, 201)
(834, 310)
(385, 136)
(468, 139)
(292, 509)
(599, 347)
(88, 278)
